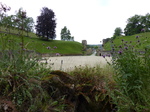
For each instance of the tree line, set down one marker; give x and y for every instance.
(45, 24)
(135, 24)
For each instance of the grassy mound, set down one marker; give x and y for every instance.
(32, 42)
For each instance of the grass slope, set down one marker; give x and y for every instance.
(40, 46)
(140, 42)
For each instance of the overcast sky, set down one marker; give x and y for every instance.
(91, 20)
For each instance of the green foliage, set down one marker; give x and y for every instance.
(132, 77)
(20, 77)
(137, 23)
(18, 22)
(143, 38)
(118, 32)
(66, 35)
(35, 44)
(90, 84)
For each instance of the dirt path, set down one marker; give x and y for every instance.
(94, 53)
(69, 62)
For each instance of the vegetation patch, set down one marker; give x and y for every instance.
(138, 41)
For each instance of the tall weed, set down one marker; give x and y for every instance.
(132, 75)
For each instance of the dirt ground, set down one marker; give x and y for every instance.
(69, 62)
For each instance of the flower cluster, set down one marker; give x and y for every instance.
(48, 47)
(55, 47)
(4, 8)
(57, 54)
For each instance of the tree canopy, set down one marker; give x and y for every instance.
(118, 32)
(46, 24)
(66, 35)
(137, 23)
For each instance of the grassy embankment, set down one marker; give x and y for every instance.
(143, 39)
(40, 46)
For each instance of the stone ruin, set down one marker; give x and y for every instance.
(84, 43)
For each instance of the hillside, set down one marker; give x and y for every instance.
(40, 46)
(139, 41)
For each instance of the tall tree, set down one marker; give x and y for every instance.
(46, 24)
(118, 32)
(66, 35)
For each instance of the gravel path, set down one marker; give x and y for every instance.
(69, 62)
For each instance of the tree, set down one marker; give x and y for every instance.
(46, 24)
(7, 22)
(118, 32)
(28, 25)
(66, 35)
(134, 25)
(145, 21)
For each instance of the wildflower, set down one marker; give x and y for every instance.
(137, 37)
(48, 47)
(138, 41)
(143, 30)
(108, 55)
(57, 54)
(130, 41)
(120, 52)
(24, 49)
(113, 49)
(103, 56)
(122, 40)
(55, 47)
(126, 48)
(120, 46)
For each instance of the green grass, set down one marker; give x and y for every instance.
(15, 31)
(144, 39)
(40, 46)
(63, 47)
